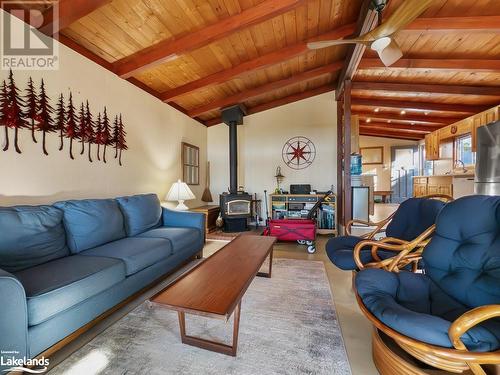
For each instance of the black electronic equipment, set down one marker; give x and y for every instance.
(300, 189)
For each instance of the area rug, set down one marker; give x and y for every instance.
(288, 326)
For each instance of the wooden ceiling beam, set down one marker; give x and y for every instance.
(390, 134)
(450, 24)
(408, 118)
(279, 102)
(69, 11)
(408, 128)
(171, 49)
(419, 106)
(367, 21)
(271, 86)
(427, 88)
(453, 65)
(260, 62)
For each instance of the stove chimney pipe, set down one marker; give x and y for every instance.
(232, 117)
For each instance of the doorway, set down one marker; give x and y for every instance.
(404, 166)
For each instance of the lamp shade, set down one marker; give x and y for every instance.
(180, 191)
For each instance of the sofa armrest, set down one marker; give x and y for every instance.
(13, 317)
(172, 218)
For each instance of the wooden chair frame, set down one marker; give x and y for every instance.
(380, 225)
(455, 360)
(408, 252)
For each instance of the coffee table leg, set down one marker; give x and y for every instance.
(212, 345)
(268, 274)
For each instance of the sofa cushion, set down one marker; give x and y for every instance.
(30, 235)
(62, 283)
(413, 217)
(136, 253)
(180, 238)
(415, 306)
(91, 222)
(141, 212)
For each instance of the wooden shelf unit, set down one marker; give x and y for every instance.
(284, 203)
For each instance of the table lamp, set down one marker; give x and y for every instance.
(181, 192)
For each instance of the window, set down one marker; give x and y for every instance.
(426, 166)
(463, 150)
(190, 164)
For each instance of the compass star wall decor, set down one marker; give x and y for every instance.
(298, 152)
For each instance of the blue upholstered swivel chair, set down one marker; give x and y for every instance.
(413, 217)
(452, 308)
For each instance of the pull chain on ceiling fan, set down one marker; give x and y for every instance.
(381, 38)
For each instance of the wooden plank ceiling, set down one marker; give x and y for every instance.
(202, 55)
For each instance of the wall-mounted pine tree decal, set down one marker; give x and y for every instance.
(34, 111)
(4, 108)
(119, 140)
(98, 135)
(60, 120)
(89, 129)
(15, 115)
(82, 127)
(71, 126)
(31, 106)
(106, 133)
(44, 116)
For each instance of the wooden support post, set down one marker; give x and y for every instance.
(347, 152)
(340, 164)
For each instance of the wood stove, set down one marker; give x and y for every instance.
(234, 206)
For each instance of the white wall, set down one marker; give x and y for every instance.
(260, 142)
(383, 171)
(155, 132)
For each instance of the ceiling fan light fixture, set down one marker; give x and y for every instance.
(381, 43)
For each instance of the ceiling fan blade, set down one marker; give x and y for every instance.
(390, 54)
(329, 43)
(404, 15)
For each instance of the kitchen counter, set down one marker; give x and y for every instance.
(456, 175)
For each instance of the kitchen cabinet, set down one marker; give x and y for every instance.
(428, 185)
(481, 119)
(465, 126)
(432, 146)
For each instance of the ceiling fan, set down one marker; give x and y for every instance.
(381, 38)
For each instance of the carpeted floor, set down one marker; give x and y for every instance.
(288, 326)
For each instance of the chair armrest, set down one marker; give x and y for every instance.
(468, 320)
(13, 317)
(378, 226)
(172, 218)
(407, 252)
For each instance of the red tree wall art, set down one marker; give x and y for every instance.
(34, 111)
(82, 128)
(4, 107)
(89, 130)
(31, 100)
(98, 135)
(71, 126)
(106, 133)
(60, 120)
(44, 116)
(15, 116)
(119, 140)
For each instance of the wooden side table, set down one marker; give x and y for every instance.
(211, 214)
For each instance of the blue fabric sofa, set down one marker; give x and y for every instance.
(63, 265)
(412, 218)
(462, 272)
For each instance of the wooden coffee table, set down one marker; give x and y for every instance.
(215, 287)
